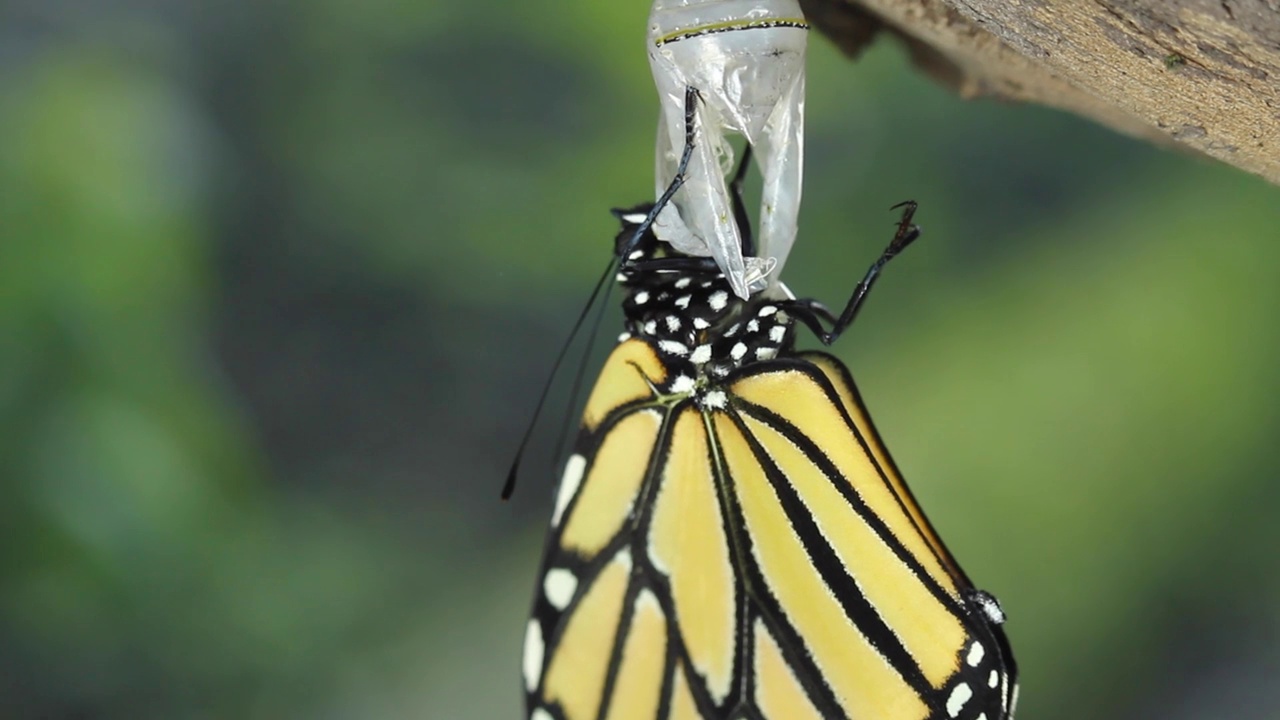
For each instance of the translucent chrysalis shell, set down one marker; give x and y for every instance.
(746, 59)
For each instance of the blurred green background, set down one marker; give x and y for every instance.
(280, 282)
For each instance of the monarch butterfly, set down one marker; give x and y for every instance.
(731, 539)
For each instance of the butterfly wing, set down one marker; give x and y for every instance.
(865, 594)
(753, 555)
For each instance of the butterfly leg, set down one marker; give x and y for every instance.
(812, 313)
(691, 98)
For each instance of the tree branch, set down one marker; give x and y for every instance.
(1202, 74)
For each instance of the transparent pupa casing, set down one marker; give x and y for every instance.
(746, 59)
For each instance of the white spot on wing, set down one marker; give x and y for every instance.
(990, 607)
(994, 679)
(672, 347)
(682, 384)
(766, 353)
(683, 301)
(636, 255)
(960, 695)
(641, 297)
(767, 310)
(975, 654)
(683, 283)
(634, 218)
(777, 332)
(559, 586)
(533, 649)
(701, 354)
(701, 324)
(673, 322)
(651, 327)
(738, 352)
(646, 598)
(753, 326)
(718, 300)
(716, 399)
(569, 483)
(624, 337)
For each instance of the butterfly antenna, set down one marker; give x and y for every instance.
(690, 107)
(691, 97)
(580, 376)
(509, 487)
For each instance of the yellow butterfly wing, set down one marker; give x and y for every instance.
(746, 548)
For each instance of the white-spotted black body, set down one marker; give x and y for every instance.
(692, 316)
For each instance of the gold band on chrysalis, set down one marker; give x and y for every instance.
(730, 26)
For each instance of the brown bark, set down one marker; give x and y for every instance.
(1203, 74)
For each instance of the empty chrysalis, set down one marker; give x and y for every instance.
(745, 58)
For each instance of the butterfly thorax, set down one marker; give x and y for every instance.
(702, 331)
